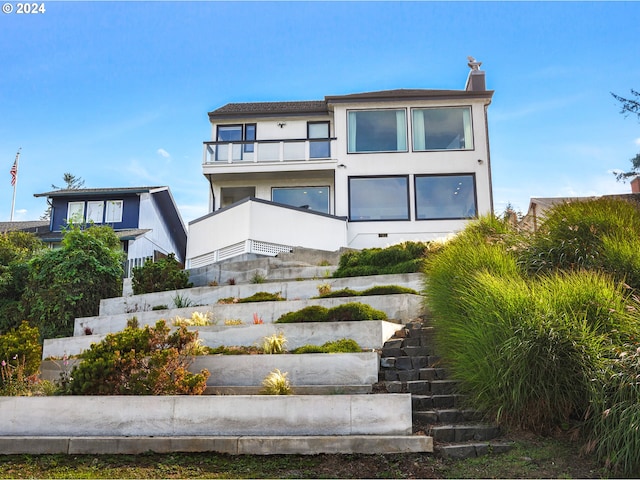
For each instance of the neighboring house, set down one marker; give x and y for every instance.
(360, 170)
(538, 206)
(145, 219)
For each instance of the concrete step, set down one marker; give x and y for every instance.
(233, 445)
(429, 417)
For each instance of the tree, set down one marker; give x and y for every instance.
(71, 183)
(630, 106)
(69, 282)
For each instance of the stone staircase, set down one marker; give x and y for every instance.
(408, 364)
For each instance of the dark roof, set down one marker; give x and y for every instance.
(252, 109)
(128, 234)
(33, 226)
(408, 94)
(270, 108)
(75, 192)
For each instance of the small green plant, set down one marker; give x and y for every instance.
(258, 278)
(274, 344)
(182, 301)
(344, 345)
(276, 383)
(159, 307)
(344, 292)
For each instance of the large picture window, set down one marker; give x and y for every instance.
(313, 198)
(377, 131)
(95, 212)
(378, 198)
(75, 212)
(445, 197)
(442, 129)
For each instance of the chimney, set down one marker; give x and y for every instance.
(635, 185)
(475, 80)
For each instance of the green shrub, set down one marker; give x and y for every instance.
(149, 361)
(621, 257)
(262, 297)
(159, 307)
(354, 311)
(20, 354)
(402, 258)
(308, 349)
(312, 313)
(160, 276)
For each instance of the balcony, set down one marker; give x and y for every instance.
(268, 151)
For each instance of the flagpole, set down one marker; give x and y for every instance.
(14, 181)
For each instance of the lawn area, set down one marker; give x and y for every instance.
(532, 457)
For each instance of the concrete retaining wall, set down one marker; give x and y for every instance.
(288, 289)
(206, 415)
(402, 308)
(369, 335)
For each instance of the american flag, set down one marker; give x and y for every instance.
(14, 173)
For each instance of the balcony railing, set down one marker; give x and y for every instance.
(268, 151)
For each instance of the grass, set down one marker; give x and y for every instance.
(532, 457)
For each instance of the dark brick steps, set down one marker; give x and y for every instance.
(409, 364)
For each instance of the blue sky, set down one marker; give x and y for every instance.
(118, 92)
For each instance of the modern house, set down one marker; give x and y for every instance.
(358, 171)
(146, 219)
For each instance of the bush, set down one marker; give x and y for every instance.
(20, 354)
(161, 276)
(312, 313)
(149, 361)
(402, 258)
(354, 311)
(388, 290)
(345, 292)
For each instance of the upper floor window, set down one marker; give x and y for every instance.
(75, 212)
(114, 211)
(235, 133)
(318, 135)
(442, 128)
(377, 131)
(95, 212)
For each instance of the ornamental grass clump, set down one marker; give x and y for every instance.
(276, 383)
(615, 418)
(274, 344)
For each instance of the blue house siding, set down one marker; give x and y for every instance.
(130, 211)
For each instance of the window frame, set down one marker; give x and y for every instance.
(407, 198)
(319, 140)
(416, 177)
(406, 131)
(108, 213)
(456, 107)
